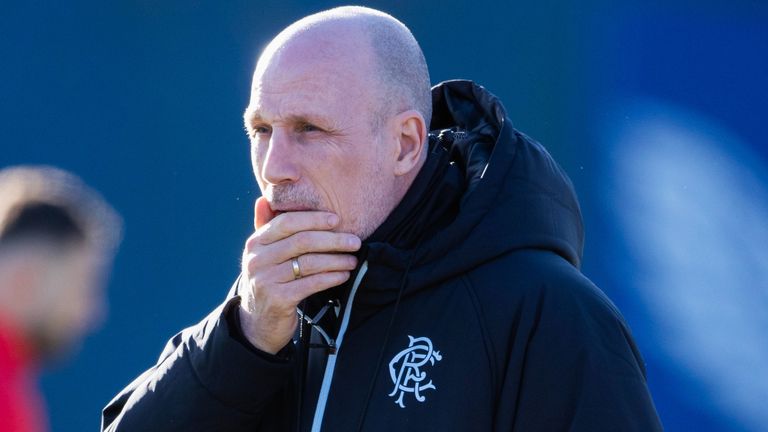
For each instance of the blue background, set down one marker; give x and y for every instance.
(639, 101)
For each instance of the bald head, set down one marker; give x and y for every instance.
(372, 44)
(338, 116)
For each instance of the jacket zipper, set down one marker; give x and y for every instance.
(331, 364)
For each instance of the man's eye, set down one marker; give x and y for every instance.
(259, 130)
(308, 127)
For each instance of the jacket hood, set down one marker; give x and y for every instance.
(485, 190)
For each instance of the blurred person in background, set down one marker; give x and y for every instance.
(57, 238)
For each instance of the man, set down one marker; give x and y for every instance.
(435, 275)
(56, 237)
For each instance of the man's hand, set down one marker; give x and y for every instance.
(268, 305)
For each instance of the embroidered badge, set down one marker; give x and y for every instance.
(406, 372)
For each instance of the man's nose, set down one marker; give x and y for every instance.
(280, 163)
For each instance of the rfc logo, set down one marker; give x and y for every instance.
(405, 369)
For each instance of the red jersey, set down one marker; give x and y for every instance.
(21, 408)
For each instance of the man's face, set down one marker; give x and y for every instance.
(313, 143)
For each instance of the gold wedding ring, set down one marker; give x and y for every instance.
(296, 268)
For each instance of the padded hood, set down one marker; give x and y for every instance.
(485, 190)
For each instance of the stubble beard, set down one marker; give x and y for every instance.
(293, 196)
(371, 208)
(375, 203)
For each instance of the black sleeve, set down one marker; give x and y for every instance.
(208, 378)
(580, 369)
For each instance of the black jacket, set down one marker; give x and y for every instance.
(469, 313)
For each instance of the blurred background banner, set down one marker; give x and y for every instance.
(657, 111)
(677, 200)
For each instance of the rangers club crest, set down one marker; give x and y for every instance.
(406, 372)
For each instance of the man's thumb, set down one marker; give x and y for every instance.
(264, 213)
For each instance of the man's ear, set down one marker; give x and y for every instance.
(411, 135)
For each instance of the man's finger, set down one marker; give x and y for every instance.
(310, 264)
(263, 213)
(286, 224)
(307, 242)
(302, 288)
